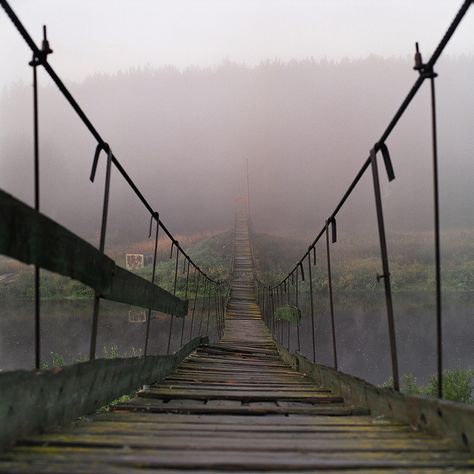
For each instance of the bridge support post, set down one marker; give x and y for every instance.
(311, 305)
(265, 306)
(35, 62)
(298, 338)
(103, 231)
(195, 300)
(385, 268)
(439, 327)
(287, 291)
(203, 305)
(174, 293)
(271, 307)
(148, 321)
(331, 299)
(208, 308)
(185, 297)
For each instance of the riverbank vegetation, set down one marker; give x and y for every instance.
(458, 385)
(356, 261)
(355, 265)
(212, 254)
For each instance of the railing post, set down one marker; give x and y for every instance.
(287, 291)
(280, 322)
(264, 307)
(208, 308)
(331, 300)
(439, 327)
(203, 305)
(267, 308)
(218, 328)
(223, 309)
(271, 307)
(103, 230)
(195, 299)
(34, 63)
(385, 268)
(311, 304)
(221, 312)
(156, 216)
(288, 334)
(185, 297)
(297, 306)
(274, 307)
(174, 292)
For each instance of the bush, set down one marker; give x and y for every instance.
(457, 385)
(288, 313)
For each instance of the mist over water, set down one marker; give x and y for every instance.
(305, 128)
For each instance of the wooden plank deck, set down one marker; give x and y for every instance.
(235, 406)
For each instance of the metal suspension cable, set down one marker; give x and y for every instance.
(388, 130)
(41, 57)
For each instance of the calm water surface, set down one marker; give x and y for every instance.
(66, 328)
(361, 332)
(362, 336)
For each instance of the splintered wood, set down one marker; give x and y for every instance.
(235, 406)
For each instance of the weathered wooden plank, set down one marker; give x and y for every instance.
(34, 238)
(232, 408)
(246, 444)
(32, 401)
(270, 421)
(255, 395)
(256, 460)
(211, 426)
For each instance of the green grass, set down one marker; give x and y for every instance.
(109, 352)
(288, 313)
(457, 385)
(355, 264)
(212, 255)
(356, 261)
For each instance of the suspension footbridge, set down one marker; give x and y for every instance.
(241, 402)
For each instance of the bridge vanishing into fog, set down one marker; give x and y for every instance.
(242, 402)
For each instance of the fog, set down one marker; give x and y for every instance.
(306, 90)
(305, 128)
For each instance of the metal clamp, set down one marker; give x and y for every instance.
(332, 221)
(156, 216)
(302, 270)
(381, 276)
(425, 70)
(386, 159)
(43, 52)
(101, 146)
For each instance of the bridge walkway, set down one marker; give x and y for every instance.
(235, 406)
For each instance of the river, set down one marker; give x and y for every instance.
(361, 332)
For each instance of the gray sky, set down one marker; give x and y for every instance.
(90, 36)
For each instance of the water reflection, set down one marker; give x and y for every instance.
(362, 334)
(66, 326)
(361, 330)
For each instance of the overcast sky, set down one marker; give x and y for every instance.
(90, 36)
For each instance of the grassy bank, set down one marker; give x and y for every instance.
(213, 255)
(356, 262)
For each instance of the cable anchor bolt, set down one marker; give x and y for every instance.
(425, 70)
(43, 52)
